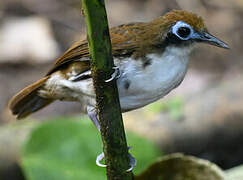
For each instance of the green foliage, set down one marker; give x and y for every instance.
(66, 149)
(143, 150)
(173, 106)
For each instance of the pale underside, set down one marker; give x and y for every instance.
(137, 85)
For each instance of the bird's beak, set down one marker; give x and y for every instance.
(210, 39)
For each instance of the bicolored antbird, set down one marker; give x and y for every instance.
(152, 58)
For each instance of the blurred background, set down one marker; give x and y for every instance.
(203, 117)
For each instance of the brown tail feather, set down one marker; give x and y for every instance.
(28, 101)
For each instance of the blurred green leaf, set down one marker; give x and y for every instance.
(143, 150)
(173, 106)
(156, 107)
(66, 149)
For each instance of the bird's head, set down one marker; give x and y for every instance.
(182, 28)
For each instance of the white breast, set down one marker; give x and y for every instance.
(138, 85)
(151, 83)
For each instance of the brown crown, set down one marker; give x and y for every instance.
(192, 19)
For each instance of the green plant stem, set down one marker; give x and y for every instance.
(108, 105)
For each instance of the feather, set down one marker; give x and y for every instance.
(28, 100)
(134, 39)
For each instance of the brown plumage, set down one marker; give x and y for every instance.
(135, 39)
(176, 15)
(28, 101)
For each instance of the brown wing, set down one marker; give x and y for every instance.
(124, 38)
(77, 52)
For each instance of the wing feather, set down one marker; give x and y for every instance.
(125, 41)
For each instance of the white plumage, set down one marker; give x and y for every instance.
(137, 85)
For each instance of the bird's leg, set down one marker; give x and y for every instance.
(132, 161)
(92, 113)
(114, 75)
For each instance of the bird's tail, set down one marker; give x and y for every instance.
(28, 100)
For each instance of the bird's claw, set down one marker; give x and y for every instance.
(99, 158)
(115, 75)
(132, 160)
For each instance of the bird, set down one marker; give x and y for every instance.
(152, 59)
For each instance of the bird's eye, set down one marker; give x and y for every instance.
(184, 32)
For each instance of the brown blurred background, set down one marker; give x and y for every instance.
(203, 117)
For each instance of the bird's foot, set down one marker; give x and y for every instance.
(114, 75)
(92, 113)
(99, 158)
(132, 160)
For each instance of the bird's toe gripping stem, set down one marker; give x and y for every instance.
(132, 160)
(115, 75)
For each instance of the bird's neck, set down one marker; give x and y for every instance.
(180, 54)
(164, 68)
(168, 65)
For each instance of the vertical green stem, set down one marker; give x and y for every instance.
(108, 105)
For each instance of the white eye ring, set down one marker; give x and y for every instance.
(179, 25)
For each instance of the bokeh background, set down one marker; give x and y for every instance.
(203, 117)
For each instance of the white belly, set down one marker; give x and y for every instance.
(137, 86)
